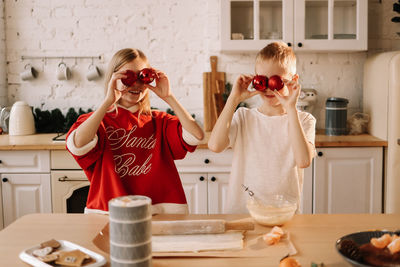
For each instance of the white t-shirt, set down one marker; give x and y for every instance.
(263, 159)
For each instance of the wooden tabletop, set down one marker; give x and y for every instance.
(313, 236)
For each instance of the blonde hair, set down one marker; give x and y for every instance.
(119, 59)
(280, 53)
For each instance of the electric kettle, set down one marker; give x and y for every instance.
(21, 119)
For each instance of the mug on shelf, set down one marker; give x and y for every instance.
(93, 73)
(29, 73)
(63, 72)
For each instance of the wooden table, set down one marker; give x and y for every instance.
(314, 236)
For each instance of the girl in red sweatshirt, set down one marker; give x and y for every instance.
(125, 148)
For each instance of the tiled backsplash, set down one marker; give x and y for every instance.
(177, 36)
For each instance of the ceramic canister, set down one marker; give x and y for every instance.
(336, 116)
(130, 231)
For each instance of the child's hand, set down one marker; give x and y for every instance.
(239, 91)
(113, 94)
(290, 100)
(162, 88)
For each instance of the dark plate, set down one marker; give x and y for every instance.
(361, 238)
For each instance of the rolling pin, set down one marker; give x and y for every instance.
(185, 227)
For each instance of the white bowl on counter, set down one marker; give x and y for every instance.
(275, 210)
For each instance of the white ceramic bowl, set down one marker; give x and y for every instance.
(276, 210)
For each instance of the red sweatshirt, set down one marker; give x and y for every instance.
(134, 156)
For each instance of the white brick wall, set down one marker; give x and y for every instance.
(178, 36)
(3, 79)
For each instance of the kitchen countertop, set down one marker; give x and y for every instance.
(313, 236)
(45, 142)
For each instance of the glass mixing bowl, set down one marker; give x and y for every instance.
(275, 210)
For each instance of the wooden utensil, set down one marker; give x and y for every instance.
(210, 112)
(213, 89)
(217, 78)
(184, 227)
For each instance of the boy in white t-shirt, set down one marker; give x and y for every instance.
(272, 143)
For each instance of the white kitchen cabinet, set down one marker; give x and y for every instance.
(204, 175)
(217, 192)
(306, 196)
(25, 183)
(205, 192)
(1, 208)
(195, 186)
(24, 194)
(306, 25)
(348, 180)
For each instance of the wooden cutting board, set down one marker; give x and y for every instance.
(229, 244)
(213, 89)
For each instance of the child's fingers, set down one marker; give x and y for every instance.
(241, 78)
(253, 93)
(246, 80)
(245, 77)
(150, 87)
(117, 76)
(277, 94)
(159, 74)
(248, 77)
(290, 84)
(123, 89)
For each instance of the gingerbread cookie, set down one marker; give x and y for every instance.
(49, 258)
(51, 243)
(42, 251)
(71, 258)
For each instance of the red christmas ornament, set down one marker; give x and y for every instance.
(130, 79)
(260, 82)
(147, 75)
(275, 82)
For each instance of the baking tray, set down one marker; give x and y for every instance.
(27, 256)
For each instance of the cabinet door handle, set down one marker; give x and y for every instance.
(66, 179)
(300, 44)
(201, 178)
(213, 179)
(320, 154)
(5, 180)
(1, 161)
(398, 142)
(206, 161)
(289, 44)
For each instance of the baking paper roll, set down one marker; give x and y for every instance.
(184, 227)
(196, 243)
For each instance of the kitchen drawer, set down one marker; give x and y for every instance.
(206, 160)
(20, 161)
(63, 160)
